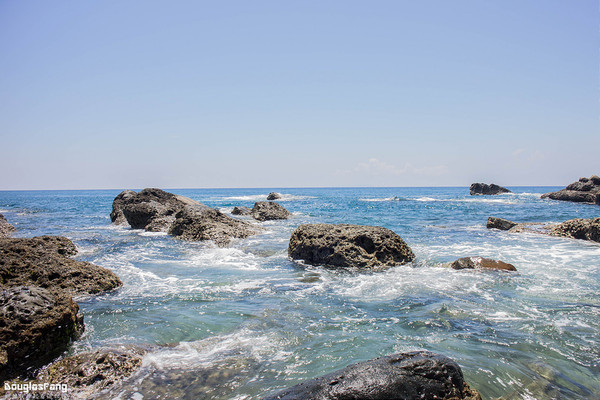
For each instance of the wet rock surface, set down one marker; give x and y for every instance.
(485, 189)
(268, 210)
(481, 263)
(348, 246)
(586, 190)
(415, 375)
(578, 228)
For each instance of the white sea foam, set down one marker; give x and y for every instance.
(263, 197)
(382, 199)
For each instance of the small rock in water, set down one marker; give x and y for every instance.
(481, 263)
(268, 210)
(241, 211)
(273, 196)
(500, 223)
(485, 189)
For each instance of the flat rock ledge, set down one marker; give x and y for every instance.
(485, 189)
(481, 263)
(406, 376)
(349, 246)
(578, 228)
(36, 326)
(269, 211)
(6, 229)
(586, 190)
(44, 261)
(155, 210)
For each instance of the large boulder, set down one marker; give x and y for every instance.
(481, 263)
(348, 246)
(44, 261)
(268, 210)
(586, 190)
(415, 375)
(485, 189)
(155, 210)
(6, 229)
(273, 196)
(36, 326)
(579, 228)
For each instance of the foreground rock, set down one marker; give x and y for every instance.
(273, 196)
(268, 210)
(6, 229)
(241, 211)
(155, 210)
(89, 373)
(36, 326)
(348, 246)
(586, 190)
(578, 228)
(485, 189)
(43, 261)
(481, 263)
(416, 375)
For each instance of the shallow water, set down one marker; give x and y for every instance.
(241, 322)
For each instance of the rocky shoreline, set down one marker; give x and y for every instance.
(586, 190)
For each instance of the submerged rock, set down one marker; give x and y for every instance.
(268, 210)
(6, 229)
(36, 326)
(273, 196)
(579, 228)
(43, 261)
(485, 189)
(415, 375)
(241, 211)
(348, 246)
(586, 190)
(481, 263)
(155, 210)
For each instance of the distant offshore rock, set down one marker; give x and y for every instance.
(155, 210)
(268, 211)
(415, 375)
(578, 228)
(481, 263)
(485, 189)
(586, 190)
(349, 246)
(274, 196)
(6, 229)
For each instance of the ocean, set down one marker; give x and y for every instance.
(243, 321)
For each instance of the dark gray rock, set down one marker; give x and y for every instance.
(579, 228)
(268, 210)
(500, 223)
(485, 189)
(44, 261)
(273, 196)
(583, 191)
(36, 326)
(6, 229)
(155, 210)
(241, 211)
(481, 263)
(348, 246)
(407, 376)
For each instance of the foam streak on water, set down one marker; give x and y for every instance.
(244, 321)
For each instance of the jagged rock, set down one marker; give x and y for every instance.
(158, 211)
(6, 229)
(583, 191)
(273, 196)
(485, 189)
(43, 261)
(500, 223)
(88, 373)
(579, 228)
(348, 246)
(268, 210)
(415, 375)
(481, 263)
(36, 325)
(241, 211)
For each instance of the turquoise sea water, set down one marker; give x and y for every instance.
(241, 322)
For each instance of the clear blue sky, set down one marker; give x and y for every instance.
(172, 94)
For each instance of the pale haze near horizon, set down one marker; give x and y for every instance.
(195, 94)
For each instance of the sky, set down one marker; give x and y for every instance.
(274, 94)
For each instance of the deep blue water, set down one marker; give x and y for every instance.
(240, 322)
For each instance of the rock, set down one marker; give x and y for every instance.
(43, 261)
(241, 211)
(485, 189)
(481, 263)
(268, 210)
(500, 223)
(273, 196)
(583, 191)
(6, 229)
(415, 375)
(348, 246)
(36, 326)
(155, 210)
(579, 228)
(88, 373)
